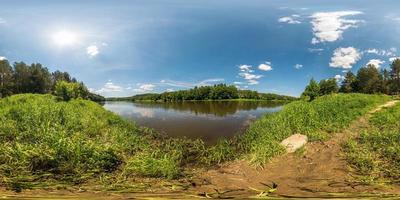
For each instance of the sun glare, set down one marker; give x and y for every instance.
(65, 38)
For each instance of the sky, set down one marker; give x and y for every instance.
(128, 47)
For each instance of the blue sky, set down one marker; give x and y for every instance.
(121, 48)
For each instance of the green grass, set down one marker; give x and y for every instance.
(316, 119)
(46, 140)
(375, 155)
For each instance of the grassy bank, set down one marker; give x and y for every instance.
(316, 119)
(45, 141)
(375, 155)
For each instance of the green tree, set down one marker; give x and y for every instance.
(40, 79)
(395, 77)
(369, 80)
(67, 91)
(6, 81)
(385, 81)
(328, 86)
(348, 84)
(312, 90)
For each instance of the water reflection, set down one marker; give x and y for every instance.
(208, 120)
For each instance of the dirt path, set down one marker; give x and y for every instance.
(320, 172)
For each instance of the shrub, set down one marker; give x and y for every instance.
(70, 90)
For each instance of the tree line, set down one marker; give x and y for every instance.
(215, 92)
(35, 78)
(367, 80)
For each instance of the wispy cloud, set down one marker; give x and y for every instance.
(2, 21)
(144, 88)
(293, 19)
(329, 26)
(183, 84)
(92, 51)
(110, 89)
(382, 52)
(393, 59)
(375, 62)
(246, 73)
(345, 57)
(3, 58)
(298, 66)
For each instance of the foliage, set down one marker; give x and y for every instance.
(216, 92)
(375, 154)
(312, 90)
(328, 86)
(315, 119)
(348, 84)
(369, 80)
(34, 78)
(67, 91)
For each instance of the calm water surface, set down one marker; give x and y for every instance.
(205, 119)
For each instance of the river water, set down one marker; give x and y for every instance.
(208, 120)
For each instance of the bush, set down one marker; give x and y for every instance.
(67, 91)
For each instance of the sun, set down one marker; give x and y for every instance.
(65, 38)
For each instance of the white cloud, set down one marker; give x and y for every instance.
(375, 62)
(339, 77)
(290, 19)
(169, 90)
(145, 88)
(329, 26)
(238, 83)
(247, 73)
(265, 66)
(2, 21)
(3, 58)
(245, 68)
(110, 89)
(382, 52)
(298, 66)
(253, 82)
(249, 76)
(345, 57)
(92, 51)
(190, 85)
(312, 50)
(393, 59)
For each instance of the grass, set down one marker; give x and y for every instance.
(45, 141)
(316, 119)
(374, 155)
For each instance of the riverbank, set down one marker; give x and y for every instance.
(78, 144)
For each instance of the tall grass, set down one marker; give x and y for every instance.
(44, 139)
(316, 119)
(375, 155)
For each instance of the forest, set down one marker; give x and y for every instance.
(215, 92)
(35, 78)
(368, 80)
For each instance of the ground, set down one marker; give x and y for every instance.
(317, 170)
